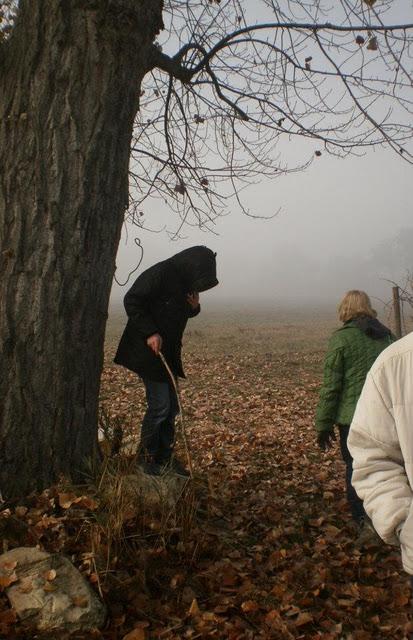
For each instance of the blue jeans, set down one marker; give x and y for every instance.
(355, 504)
(158, 425)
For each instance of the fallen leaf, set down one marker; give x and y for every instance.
(7, 617)
(303, 618)
(88, 503)
(26, 585)
(67, 499)
(6, 581)
(401, 599)
(50, 575)
(194, 609)
(332, 531)
(249, 606)
(8, 566)
(177, 580)
(272, 616)
(80, 601)
(135, 634)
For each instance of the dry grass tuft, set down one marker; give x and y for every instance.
(138, 514)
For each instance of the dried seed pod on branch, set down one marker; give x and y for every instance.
(230, 85)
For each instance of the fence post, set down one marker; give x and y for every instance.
(397, 313)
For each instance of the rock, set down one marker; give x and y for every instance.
(163, 490)
(137, 489)
(48, 592)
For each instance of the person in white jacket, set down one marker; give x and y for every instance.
(381, 443)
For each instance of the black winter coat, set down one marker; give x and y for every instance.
(157, 303)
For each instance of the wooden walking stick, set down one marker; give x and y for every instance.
(184, 437)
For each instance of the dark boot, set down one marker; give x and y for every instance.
(148, 464)
(174, 465)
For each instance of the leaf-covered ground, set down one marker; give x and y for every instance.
(269, 550)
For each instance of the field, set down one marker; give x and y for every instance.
(270, 550)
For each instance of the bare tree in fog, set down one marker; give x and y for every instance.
(213, 111)
(82, 86)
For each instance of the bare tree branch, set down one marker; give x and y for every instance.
(227, 93)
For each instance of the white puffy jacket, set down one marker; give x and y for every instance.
(381, 443)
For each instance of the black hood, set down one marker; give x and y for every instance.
(371, 327)
(197, 267)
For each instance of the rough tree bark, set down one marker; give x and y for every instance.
(69, 84)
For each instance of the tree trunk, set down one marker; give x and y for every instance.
(70, 78)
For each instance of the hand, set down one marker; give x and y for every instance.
(193, 299)
(154, 342)
(325, 439)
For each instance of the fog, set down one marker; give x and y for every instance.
(342, 224)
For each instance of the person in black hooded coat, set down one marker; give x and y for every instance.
(158, 305)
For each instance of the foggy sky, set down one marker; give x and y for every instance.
(343, 224)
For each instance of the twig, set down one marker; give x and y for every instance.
(96, 570)
(174, 628)
(172, 377)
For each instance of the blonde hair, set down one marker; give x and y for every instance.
(355, 304)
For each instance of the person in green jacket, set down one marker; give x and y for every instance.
(352, 349)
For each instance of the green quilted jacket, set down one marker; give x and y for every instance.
(351, 352)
